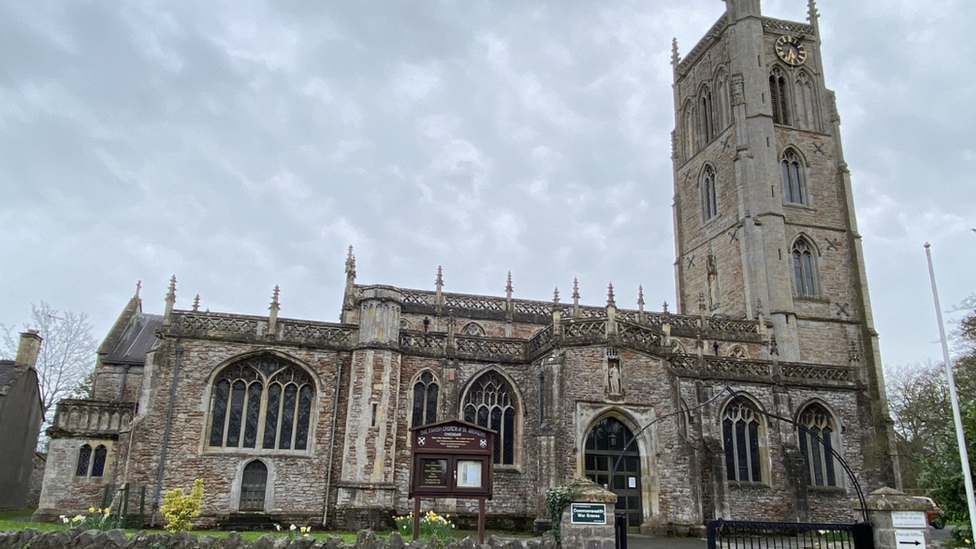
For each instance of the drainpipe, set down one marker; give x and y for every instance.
(169, 422)
(328, 474)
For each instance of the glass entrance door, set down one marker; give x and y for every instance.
(604, 445)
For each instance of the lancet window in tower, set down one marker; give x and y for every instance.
(804, 268)
(706, 124)
(261, 402)
(709, 194)
(741, 433)
(807, 111)
(490, 403)
(791, 169)
(723, 113)
(425, 392)
(817, 439)
(688, 130)
(779, 96)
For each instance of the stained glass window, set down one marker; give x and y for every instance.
(84, 457)
(424, 400)
(489, 404)
(740, 437)
(262, 397)
(98, 464)
(804, 272)
(816, 444)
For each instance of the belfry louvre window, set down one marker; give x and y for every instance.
(778, 95)
(741, 430)
(424, 400)
(818, 424)
(489, 404)
(804, 268)
(262, 401)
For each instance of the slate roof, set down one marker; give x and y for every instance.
(9, 373)
(136, 340)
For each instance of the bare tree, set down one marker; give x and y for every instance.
(67, 353)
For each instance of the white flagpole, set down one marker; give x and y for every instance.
(956, 416)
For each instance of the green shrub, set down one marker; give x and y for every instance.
(180, 509)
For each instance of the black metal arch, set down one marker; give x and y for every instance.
(737, 397)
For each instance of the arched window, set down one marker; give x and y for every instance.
(98, 462)
(254, 484)
(818, 425)
(741, 433)
(807, 113)
(804, 268)
(84, 458)
(688, 130)
(723, 111)
(706, 124)
(261, 400)
(791, 172)
(490, 403)
(709, 195)
(779, 96)
(424, 400)
(473, 329)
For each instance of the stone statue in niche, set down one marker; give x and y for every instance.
(613, 377)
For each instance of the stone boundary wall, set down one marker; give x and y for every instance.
(76, 538)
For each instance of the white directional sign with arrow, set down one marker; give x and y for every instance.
(909, 539)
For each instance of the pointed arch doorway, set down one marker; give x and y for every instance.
(604, 444)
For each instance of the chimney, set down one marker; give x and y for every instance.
(30, 344)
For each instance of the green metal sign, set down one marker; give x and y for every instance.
(589, 513)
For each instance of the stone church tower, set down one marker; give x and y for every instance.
(763, 207)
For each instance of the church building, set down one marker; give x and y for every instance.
(750, 400)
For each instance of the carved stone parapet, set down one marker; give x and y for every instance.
(91, 418)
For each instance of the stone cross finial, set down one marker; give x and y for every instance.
(508, 286)
(555, 296)
(610, 300)
(350, 264)
(196, 303)
(138, 287)
(439, 281)
(640, 297)
(675, 59)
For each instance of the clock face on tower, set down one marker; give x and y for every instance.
(791, 50)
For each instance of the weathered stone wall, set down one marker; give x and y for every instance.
(114, 539)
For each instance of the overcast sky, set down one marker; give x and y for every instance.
(239, 145)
